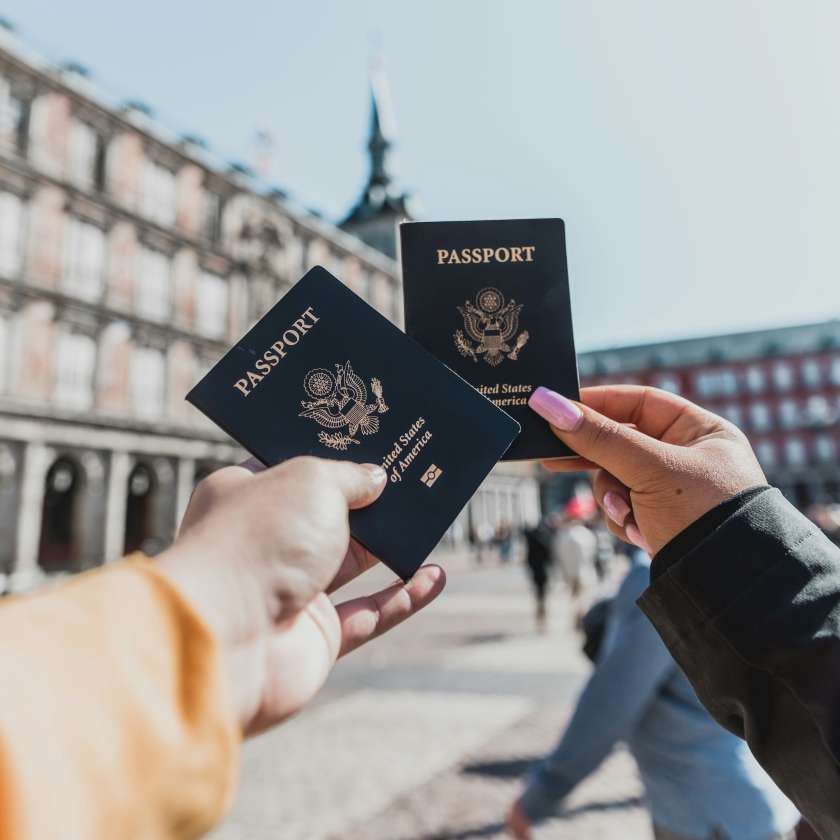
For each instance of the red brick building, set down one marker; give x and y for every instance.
(780, 386)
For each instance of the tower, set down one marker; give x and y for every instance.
(381, 206)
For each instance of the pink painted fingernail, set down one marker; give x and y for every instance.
(555, 408)
(635, 536)
(616, 507)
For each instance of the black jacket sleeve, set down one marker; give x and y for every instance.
(750, 609)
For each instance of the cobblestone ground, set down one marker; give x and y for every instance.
(426, 733)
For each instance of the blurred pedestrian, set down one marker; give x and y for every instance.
(538, 559)
(605, 549)
(574, 549)
(483, 534)
(504, 541)
(744, 589)
(701, 781)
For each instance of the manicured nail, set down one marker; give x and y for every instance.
(635, 537)
(377, 474)
(616, 507)
(555, 408)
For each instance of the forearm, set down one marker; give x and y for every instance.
(116, 720)
(750, 612)
(572, 760)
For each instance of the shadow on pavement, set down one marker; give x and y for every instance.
(511, 768)
(488, 830)
(466, 640)
(492, 829)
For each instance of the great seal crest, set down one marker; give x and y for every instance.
(492, 323)
(338, 401)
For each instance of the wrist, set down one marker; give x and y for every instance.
(701, 528)
(231, 616)
(228, 599)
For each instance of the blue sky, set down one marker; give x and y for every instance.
(692, 148)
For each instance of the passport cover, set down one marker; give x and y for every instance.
(490, 299)
(323, 373)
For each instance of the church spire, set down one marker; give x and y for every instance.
(374, 216)
(381, 128)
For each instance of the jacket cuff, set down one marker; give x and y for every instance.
(721, 568)
(199, 696)
(674, 550)
(147, 741)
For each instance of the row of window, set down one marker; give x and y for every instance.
(84, 264)
(782, 375)
(794, 451)
(817, 410)
(74, 374)
(87, 165)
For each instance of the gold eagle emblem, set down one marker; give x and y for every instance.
(492, 324)
(338, 402)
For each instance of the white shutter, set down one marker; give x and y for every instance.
(75, 364)
(212, 305)
(84, 259)
(11, 213)
(148, 384)
(82, 153)
(153, 292)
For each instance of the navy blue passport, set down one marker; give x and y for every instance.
(490, 299)
(323, 373)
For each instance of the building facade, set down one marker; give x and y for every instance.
(780, 386)
(130, 260)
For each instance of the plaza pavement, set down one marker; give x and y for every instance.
(426, 733)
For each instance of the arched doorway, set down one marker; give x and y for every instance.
(59, 543)
(139, 508)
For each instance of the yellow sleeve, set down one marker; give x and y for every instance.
(115, 720)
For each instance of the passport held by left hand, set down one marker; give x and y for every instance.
(324, 374)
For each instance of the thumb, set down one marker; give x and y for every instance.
(361, 484)
(616, 447)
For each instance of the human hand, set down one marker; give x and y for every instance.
(518, 824)
(257, 554)
(660, 461)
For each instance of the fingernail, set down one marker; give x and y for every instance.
(635, 537)
(377, 474)
(616, 507)
(555, 408)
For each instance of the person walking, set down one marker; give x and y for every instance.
(744, 589)
(700, 780)
(574, 548)
(538, 561)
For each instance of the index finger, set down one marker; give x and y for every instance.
(363, 619)
(656, 413)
